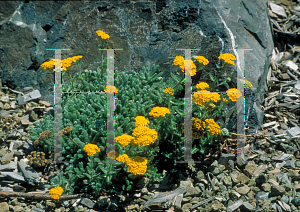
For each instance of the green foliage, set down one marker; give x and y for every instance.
(137, 94)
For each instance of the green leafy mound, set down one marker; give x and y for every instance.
(86, 113)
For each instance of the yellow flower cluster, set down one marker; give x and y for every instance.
(91, 149)
(202, 85)
(233, 94)
(198, 128)
(56, 192)
(123, 158)
(137, 165)
(144, 136)
(194, 68)
(179, 60)
(203, 96)
(102, 34)
(159, 111)
(141, 121)
(247, 84)
(202, 60)
(112, 155)
(169, 90)
(111, 89)
(228, 58)
(124, 139)
(65, 63)
(212, 127)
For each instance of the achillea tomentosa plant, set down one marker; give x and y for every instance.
(138, 95)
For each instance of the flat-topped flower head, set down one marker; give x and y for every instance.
(198, 128)
(179, 60)
(233, 94)
(203, 96)
(123, 158)
(247, 84)
(111, 89)
(137, 165)
(144, 136)
(91, 149)
(228, 58)
(159, 111)
(169, 90)
(124, 139)
(202, 85)
(102, 34)
(65, 63)
(56, 192)
(112, 155)
(141, 121)
(193, 66)
(202, 60)
(212, 127)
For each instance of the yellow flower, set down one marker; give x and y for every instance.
(233, 94)
(113, 155)
(124, 139)
(202, 60)
(213, 128)
(91, 149)
(202, 85)
(111, 89)
(225, 100)
(169, 90)
(65, 63)
(179, 60)
(198, 127)
(141, 121)
(203, 96)
(56, 192)
(194, 68)
(102, 34)
(200, 97)
(137, 165)
(159, 111)
(247, 84)
(123, 158)
(214, 97)
(144, 136)
(228, 58)
(198, 124)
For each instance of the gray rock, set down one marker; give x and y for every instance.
(16, 144)
(103, 201)
(261, 195)
(225, 158)
(296, 201)
(11, 166)
(243, 190)
(28, 97)
(87, 202)
(14, 176)
(213, 168)
(30, 175)
(277, 190)
(261, 178)
(247, 207)
(165, 27)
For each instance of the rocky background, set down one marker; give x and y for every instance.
(146, 31)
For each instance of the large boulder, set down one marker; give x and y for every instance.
(146, 31)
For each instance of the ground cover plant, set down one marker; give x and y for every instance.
(149, 124)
